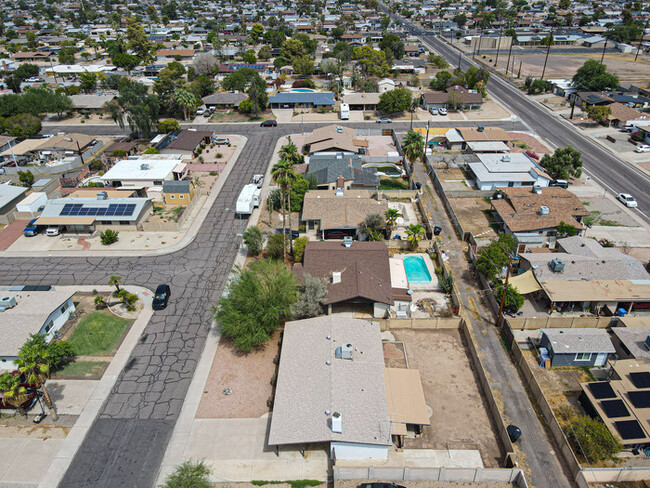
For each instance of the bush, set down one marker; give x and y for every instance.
(313, 294)
(275, 246)
(96, 165)
(152, 150)
(189, 475)
(218, 155)
(168, 125)
(299, 248)
(108, 237)
(99, 302)
(596, 441)
(254, 240)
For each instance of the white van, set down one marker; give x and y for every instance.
(345, 111)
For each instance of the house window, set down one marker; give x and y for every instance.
(125, 222)
(49, 326)
(583, 356)
(182, 197)
(157, 182)
(64, 307)
(171, 197)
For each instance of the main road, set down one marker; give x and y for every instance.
(610, 171)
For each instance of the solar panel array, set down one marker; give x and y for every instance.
(614, 408)
(113, 210)
(640, 399)
(602, 389)
(629, 429)
(641, 380)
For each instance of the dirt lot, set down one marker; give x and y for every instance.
(490, 110)
(566, 65)
(606, 212)
(247, 375)
(472, 216)
(460, 417)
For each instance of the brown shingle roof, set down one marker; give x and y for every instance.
(188, 140)
(335, 212)
(520, 209)
(623, 112)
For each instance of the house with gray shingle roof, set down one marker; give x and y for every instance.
(577, 347)
(302, 100)
(328, 168)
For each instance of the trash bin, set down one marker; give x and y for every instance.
(514, 432)
(437, 230)
(418, 185)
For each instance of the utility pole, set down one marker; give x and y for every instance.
(512, 39)
(424, 152)
(548, 51)
(460, 55)
(602, 57)
(496, 62)
(480, 38)
(505, 288)
(638, 49)
(519, 73)
(80, 153)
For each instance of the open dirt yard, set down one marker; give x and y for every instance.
(460, 417)
(606, 212)
(248, 375)
(471, 212)
(566, 65)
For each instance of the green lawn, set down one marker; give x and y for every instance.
(82, 369)
(387, 183)
(98, 333)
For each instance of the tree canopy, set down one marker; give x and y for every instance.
(394, 101)
(593, 76)
(563, 163)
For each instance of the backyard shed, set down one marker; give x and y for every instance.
(577, 347)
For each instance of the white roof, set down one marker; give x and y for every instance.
(308, 387)
(10, 192)
(136, 169)
(27, 317)
(33, 197)
(453, 135)
(76, 68)
(505, 167)
(478, 146)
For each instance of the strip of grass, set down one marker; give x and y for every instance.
(387, 183)
(98, 333)
(82, 369)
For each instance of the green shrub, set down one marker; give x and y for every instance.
(108, 237)
(254, 240)
(218, 155)
(299, 248)
(274, 246)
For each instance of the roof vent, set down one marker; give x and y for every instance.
(7, 302)
(336, 277)
(344, 352)
(144, 166)
(506, 158)
(544, 210)
(537, 189)
(340, 192)
(339, 129)
(337, 423)
(556, 265)
(102, 195)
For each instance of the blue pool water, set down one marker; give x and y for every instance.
(303, 90)
(416, 269)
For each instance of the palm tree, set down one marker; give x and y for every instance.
(185, 100)
(415, 233)
(392, 214)
(34, 361)
(13, 392)
(283, 174)
(290, 152)
(413, 147)
(115, 281)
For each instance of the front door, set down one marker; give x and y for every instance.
(601, 359)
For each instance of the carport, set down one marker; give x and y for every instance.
(78, 225)
(407, 408)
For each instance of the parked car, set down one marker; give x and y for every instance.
(335, 234)
(433, 111)
(642, 149)
(34, 79)
(31, 229)
(200, 111)
(627, 200)
(269, 123)
(161, 297)
(380, 485)
(559, 183)
(384, 120)
(442, 111)
(53, 231)
(628, 128)
(258, 180)
(222, 141)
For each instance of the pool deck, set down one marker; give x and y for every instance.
(398, 273)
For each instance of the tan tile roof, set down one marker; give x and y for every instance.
(334, 212)
(329, 132)
(520, 209)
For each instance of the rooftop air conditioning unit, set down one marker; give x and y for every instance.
(102, 195)
(144, 166)
(505, 158)
(339, 192)
(557, 265)
(339, 129)
(544, 210)
(337, 423)
(347, 241)
(7, 302)
(344, 352)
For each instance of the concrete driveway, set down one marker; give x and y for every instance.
(283, 115)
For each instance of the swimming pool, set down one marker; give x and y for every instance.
(303, 90)
(416, 269)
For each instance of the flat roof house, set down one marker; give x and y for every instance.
(333, 390)
(30, 312)
(143, 173)
(577, 347)
(632, 342)
(336, 213)
(359, 276)
(507, 170)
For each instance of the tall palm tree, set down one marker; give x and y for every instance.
(185, 100)
(115, 281)
(290, 152)
(34, 361)
(283, 174)
(392, 214)
(13, 392)
(415, 233)
(413, 146)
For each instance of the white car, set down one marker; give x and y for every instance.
(200, 111)
(442, 111)
(642, 149)
(627, 200)
(53, 231)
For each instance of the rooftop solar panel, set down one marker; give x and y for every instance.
(629, 429)
(641, 380)
(640, 399)
(601, 389)
(614, 408)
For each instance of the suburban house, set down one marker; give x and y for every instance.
(334, 139)
(178, 192)
(362, 101)
(143, 173)
(469, 100)
(333, 388)
(86, 215)
(585, 276)
(9, 196)
(34, 56)
(67, 145)
(334, 214)
(122, 148)
(174, 54)
(481, 134)
(532, 214)
(507, 170)
(359, 276)
(576, 347)
(302, 100)
(90, 103)
(183, 141)
(622, 115)
(6, 143)
(338, 170)
(30, 312)
(631, 339)
(621, 402)
(224, 100)
(385, 84)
